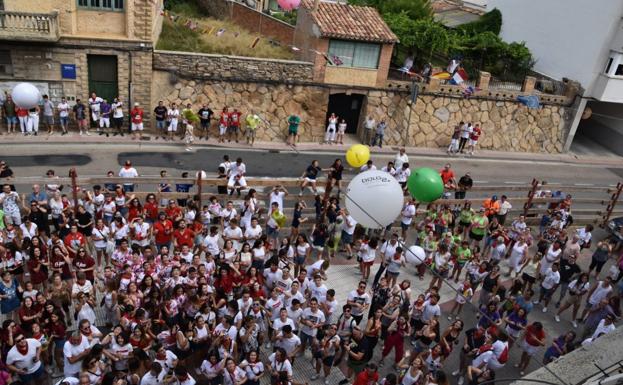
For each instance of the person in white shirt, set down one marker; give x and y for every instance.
(287, 340)
(127, 171)
(605, 326)
(390, 169)
(74, 351)
(312, 319)
(236, 177)
(548, 285)
(279, 192)
(466, 132)
(279, 363)
(173, 116)
(94, 104)
(24, 359)
(402, 175)
(348, 229)
(155, 376)
(401, 158)
(63, 114)
(368, 166)
(117, 115)
(408, 213)
(359, 301)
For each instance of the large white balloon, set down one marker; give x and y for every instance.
(415, 255)
(25, 95)
(374, 199)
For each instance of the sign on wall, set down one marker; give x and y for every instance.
(68, 71)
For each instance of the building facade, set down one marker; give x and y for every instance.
(578, 40)
(74, 47)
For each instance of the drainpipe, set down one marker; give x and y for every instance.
(130, 101)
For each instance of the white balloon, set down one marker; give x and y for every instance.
(203, 174)
(374, 199)
(415, 255)
(25, 95)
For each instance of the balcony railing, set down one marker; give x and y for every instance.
(26, 26)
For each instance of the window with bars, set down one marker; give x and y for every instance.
(103, 5)
(354, 54)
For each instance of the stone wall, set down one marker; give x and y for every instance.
(507, 125)
(222, 67)
(273, 103)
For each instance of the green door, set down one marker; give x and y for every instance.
(103, 76)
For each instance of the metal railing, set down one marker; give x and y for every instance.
(504, 85)
(29, 26)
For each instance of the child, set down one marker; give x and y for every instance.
(461, 298)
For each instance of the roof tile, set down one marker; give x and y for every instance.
(344, 21)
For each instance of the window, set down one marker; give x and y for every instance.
(609, 65)
(619, 71)
(103, 5)
(6, 66)
(354, 54)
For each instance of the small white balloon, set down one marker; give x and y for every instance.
(202, 173)
(415, 255)
(26, 95)
(374, 199)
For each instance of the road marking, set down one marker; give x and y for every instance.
(583, 184)
(553, 183)
(515, 182)
(481, 181)
(612, 185)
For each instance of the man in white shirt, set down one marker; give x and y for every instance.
(505, 207)
(279, 192)
(312, 319)
(359, 301)
(127, 171)
(24, 359)
(288, 341)
(408, 212)
(401, 158)
(549, 285)
(402, 175)
(75, 350)
(63, 114)
(94, 104)
(466, 132)
(236, 176)
(155, 376)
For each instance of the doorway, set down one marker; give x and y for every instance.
(103, 76)
(347, 107)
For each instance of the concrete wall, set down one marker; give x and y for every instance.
(222, 67)
(583, 362)
(99, 23)
(350, 76)
(578, 34)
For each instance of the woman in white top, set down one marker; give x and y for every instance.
(229, 253)
(173, 116)
(367, 255)
(233, 375)
(254, 369)
(518, 257)
(259, 254)
(212, 368)
(341, 129)
(414, 373)
(302, 251)
(56, 207)
(329, 136)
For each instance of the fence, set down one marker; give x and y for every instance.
(591, 204)
(29, 26)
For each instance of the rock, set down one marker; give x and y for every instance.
(386, 101)
(426, 128)
(420, 107)
(484, 116)
(437, 103)
(186, 92)
(192, 83)
(425, 117)
(262, 90)
(442, 114)
(420, 139)
(495, 115)
(429, 109)
(453, 107)
(178, 86)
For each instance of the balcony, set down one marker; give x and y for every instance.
(608, 88)
(26, 26)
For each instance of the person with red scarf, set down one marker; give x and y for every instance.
(368, 376)
(84, 263)
(173, 211)
(137, 121)
(150, 208)
(24, 360)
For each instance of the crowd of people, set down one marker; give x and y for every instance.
(115, 289)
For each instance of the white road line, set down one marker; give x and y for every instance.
(612, 185)
(553, 183)
(583, 184)
(481, 181)
(514, 182)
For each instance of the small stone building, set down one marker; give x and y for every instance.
(349, 45)
(72, 47)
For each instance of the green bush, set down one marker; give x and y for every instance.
(489, 22)
(288, 17)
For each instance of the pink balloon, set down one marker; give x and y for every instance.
(289, 5)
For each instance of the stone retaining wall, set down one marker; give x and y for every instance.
(235, 68)
(507, 125)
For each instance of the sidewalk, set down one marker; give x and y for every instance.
(569, 158)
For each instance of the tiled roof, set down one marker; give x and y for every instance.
(343, 21)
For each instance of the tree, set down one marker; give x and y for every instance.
(490, 21)
(415, 9)
(424, 36)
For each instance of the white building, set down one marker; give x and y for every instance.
(579, 40)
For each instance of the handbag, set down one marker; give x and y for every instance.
(110, 246)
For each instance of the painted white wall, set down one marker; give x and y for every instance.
(568, 38)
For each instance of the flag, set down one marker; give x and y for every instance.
(295, 48)
(211, 30)
(459, 77)
(336, 60)
(328, 59)
(255, 41)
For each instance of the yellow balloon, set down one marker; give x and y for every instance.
(357, 155)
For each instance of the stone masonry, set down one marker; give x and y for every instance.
(223, 67)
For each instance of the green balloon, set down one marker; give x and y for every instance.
(425, 184)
